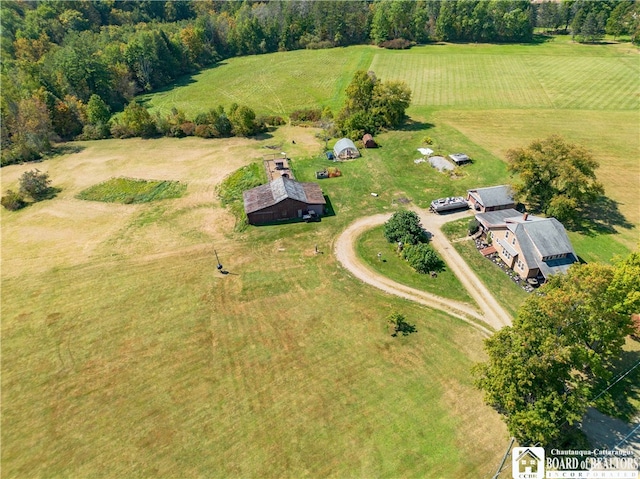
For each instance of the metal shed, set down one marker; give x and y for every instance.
(345, 149)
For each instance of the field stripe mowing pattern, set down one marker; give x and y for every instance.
(513, 81)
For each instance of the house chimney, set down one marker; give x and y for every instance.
(525, 216)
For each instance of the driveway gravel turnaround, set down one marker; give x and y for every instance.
(491, 313)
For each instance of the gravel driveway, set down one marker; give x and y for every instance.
(491, 313)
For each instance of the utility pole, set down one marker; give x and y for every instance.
(218, 260)
(504, 458)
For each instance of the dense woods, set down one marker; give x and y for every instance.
(67, 65)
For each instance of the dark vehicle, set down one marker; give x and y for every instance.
(311, 216)
(329, 155)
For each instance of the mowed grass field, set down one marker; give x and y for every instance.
(125, 353)
(483, 99)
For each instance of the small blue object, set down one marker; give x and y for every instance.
(329, 155)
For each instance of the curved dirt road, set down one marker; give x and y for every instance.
(492, 313)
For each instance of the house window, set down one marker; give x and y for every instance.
(506, 235)
(514, 240)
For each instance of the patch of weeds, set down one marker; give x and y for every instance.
(132, 191)
(231, 189)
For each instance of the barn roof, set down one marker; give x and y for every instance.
(493, 195)
(279, 190)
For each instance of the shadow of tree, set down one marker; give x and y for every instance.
(602, 216)
(413, 125)
(265, 135)
(623, 399)
(65, 149)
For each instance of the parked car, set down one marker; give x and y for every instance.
(311, 216)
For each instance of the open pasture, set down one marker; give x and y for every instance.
(272, 84)
(126, 353)
(133, 351)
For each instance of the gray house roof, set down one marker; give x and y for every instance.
(494, 219)
(539, 238)
(345, 144)
(280, 189)
(493, 196)
(548, 236)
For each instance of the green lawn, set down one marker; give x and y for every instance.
(393, 266)
(126, 353)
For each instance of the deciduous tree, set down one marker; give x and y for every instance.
(541, 371)
(372, 105)
(422, 257)
(404, 226)
(555, 177)
(35, 184)
(400, 325)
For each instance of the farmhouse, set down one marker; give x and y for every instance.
(345, 149)
(282, 199)
(459, 158)
(369, 142)
(532, 246)
(491, 199)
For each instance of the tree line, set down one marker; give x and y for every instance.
(589, 21)
(58, 54)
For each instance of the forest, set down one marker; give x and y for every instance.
(67, 66)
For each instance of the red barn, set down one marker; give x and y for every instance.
(282, 199)
(369, 142)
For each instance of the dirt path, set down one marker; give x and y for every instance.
(492, 313)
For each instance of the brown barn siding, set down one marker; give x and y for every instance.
(285, 210)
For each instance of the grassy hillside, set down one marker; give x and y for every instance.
(126, 353)
(123, 345)
(274, 84)
(483, 99)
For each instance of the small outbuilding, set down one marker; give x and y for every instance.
(493, 198)
(459, 158)
(283, 199)
(345, 149)
(369, 142)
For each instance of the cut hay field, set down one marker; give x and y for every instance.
(126, 353)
